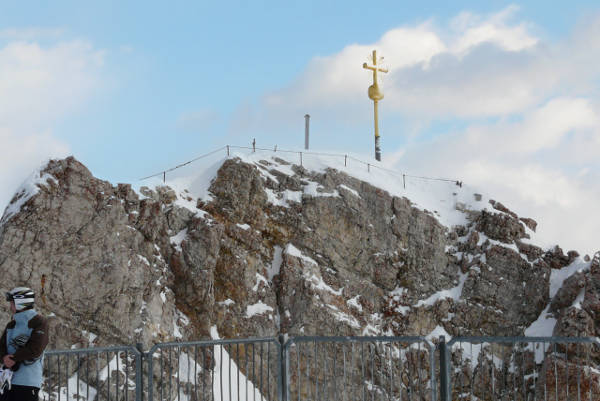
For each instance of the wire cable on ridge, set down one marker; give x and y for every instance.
(275, 150)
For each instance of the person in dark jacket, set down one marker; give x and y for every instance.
(22, 347)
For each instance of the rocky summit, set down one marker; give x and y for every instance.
(276, 248)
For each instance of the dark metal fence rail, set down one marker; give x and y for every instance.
(522, 368)
(111, 373)
(218, 370)
(331, 368)
(359, 368)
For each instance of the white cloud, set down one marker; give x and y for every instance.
(39, 86)
(476, 66)
(542, 167)
(197, 121)
(42, 84)
(542, 128)
(32, 33)
(528, 108)
(473, 30)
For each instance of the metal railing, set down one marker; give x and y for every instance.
(217, 370)
(331, 368)
(108, 373)
(521, 368)
(303, 155)
(359, 368)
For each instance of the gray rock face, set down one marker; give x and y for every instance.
(505, 294)
(271, 252)
(75, 243)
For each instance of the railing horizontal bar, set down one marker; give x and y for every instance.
(289, 151)
(92, 350)
(358, 338)
(214, 342)
(519, 339)
(183, 164)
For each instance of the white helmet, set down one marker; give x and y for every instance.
(23, 298)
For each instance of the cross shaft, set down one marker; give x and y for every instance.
(375, 94)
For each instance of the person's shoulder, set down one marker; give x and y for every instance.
(38, 321)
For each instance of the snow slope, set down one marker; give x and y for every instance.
(438, 197)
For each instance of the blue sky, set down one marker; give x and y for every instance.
(131, 89)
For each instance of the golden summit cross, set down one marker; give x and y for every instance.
(375, 94)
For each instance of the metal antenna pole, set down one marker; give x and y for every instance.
(306, 124)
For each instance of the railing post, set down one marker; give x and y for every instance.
(139, 373)
(283, 382)
(150, 363)
(444, 370)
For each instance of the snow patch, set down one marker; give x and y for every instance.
(317, 283)
(353, 302)
(227, 302)
(177, 239)
(283, 198)
(91, 337)
(437, 333)
(293, 251)
(452, 293)
(543, 326)
(144, 260)
(179, 317)
(226, 371)
(275, 267)
(315, 189)
(74, 387)
(579, 300)
(28, 189)
(188, 368)
(343, 317)
(260, 279)
(257, 309)
(352, 191)
(558, 277)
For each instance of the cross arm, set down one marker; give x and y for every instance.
(368, 67)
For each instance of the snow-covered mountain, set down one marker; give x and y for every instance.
(257, 245)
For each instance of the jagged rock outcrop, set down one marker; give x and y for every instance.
(277, 249)
(74, 242)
